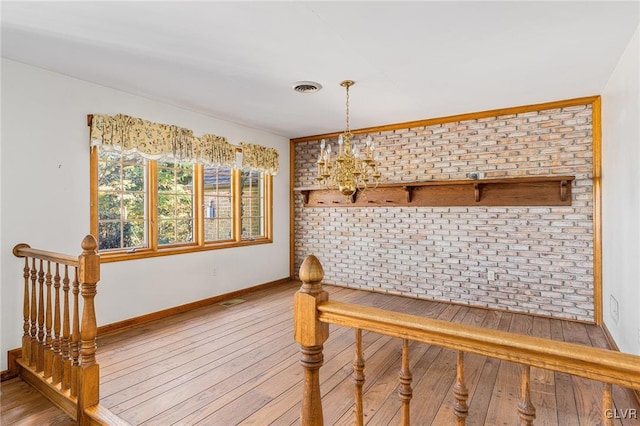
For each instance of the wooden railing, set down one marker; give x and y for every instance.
(313, 312)
(59, 338)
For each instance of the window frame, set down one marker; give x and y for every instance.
(199, 244)
(261, 184)
(122, 164)
(233, 212)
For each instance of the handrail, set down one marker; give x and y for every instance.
(58, 353)
(592, 363)
(24, 250)
(313, 312)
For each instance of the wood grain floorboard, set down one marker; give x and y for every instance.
(239, 365)
(22, 405)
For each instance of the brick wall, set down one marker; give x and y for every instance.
(218, 224)
(542, 257)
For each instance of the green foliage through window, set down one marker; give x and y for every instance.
(175, 203)
(122, 216)
(145, 206)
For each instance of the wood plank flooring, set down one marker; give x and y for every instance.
(22, 405)
(238, 365)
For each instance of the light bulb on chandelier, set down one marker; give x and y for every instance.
(350, 170)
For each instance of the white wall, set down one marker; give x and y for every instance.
(621, 198)
(44, 196)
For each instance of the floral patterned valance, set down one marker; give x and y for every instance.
(157, 141)
(260, 158)
(215, 150)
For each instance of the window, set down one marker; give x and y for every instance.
(122, 197)
(144, 208)
(175, 203)
(218, 204)
(252, 205)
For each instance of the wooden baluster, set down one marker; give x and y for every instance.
(65, 342)
(607, 405)
(310, 333)
(526, 410)
(75, 336)
(404, 390)
(358, 379)
(40, 356)
(461, 393)
(56, 374)
(26, 337)
(48, 339)
(311, 360)
(34, 314)
(89, 370)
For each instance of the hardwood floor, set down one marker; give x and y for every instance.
(22, 405)
(239, 365)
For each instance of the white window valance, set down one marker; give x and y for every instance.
(157, 141)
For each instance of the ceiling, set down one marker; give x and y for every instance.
(411, 60)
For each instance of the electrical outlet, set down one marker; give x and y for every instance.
(614, 309)
(491, 275)
(215, 271)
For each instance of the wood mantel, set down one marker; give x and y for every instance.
(520, 191)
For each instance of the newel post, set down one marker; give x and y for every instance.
(310, 333)
(89, 370)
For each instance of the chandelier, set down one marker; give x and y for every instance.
(350, 169)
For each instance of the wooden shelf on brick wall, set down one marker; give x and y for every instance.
(520, 191)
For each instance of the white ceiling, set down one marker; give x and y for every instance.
(410, 60)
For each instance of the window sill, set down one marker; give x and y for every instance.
(143, 253)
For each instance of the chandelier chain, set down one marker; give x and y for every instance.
(347, 103)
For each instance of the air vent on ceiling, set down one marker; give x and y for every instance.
(306, 86)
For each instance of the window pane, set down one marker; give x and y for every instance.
(109, 235)
(218, 229)
(184, 175)
(110, 205)
(134, 206)
(218, 204)
(109, 175)
(184, 206)
(166, 179)
(133, 178)
(134, 233)
(252, 205)
(246, 227)
(184, 230)
(118, 235)
(166, 232)
(166, 206)
(175, 231)
(175, 203)
(122, 200)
